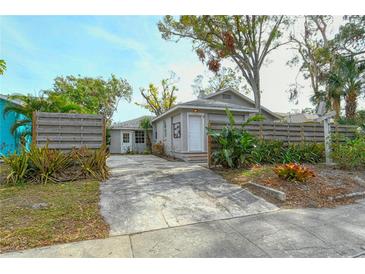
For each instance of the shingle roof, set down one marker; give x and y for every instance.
(130, 124)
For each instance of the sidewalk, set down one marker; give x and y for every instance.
(338, 232)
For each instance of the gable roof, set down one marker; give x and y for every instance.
(131, 124)
(244, 98)
(207, 104)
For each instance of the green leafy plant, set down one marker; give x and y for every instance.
(44, 165)
(234, 143)
(18, 164)
(293, 172)
(47, 163)
(351, 154)
(271, 152)
(93, 163)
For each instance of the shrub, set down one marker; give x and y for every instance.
(293, 172)
(43, 165)
(351, 154)
(93, 163)
(235, 143)
(271, 152)
(19, 168)
(158, 149)
(46, 163)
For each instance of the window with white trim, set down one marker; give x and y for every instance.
(125, 137)
(139, 137)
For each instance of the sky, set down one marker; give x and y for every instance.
(37, 49)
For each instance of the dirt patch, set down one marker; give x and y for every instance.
(317, 192)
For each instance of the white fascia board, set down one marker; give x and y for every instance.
(205, 108)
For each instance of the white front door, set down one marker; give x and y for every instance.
(126, 142)
(195, 133)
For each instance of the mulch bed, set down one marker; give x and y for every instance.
(317, 192)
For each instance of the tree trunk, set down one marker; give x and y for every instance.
(256, 90)
(336, 106)
(351, 104)
(148, 141)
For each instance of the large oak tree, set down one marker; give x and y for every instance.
(246, 40)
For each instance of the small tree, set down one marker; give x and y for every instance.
(158, 101)
(146, 124)
(96, 95)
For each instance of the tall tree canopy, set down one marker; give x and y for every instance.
(246, 40)
(313, 55)
(160, 99)
(225, 78)
(96, 95)
(2, 66)
(350, 39)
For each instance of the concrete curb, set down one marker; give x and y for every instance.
(268, 190)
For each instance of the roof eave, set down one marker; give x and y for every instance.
(204, 108)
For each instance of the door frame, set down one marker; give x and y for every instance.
(202, 128)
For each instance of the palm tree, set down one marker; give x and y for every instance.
(146, 124)
(346, 79)
(30, 104)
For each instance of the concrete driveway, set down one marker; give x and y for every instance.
(147, 193)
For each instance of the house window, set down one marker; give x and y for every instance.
(226, 96)
(125, 137)
(164, 129)
(139, 137)
(177, 130)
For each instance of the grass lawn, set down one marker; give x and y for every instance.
(39, 215)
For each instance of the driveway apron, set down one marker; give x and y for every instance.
(147, 193)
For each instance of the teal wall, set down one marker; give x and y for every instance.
(9, 143)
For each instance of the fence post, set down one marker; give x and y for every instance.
(327, 140)
(104, 133)
(209, 147)
(34, 125)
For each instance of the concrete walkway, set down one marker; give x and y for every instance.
(147, 193)
(335, 232)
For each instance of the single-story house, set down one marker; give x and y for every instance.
(182, 129)
(128, 136)
(9, 142)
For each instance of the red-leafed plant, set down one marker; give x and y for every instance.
(294, 172)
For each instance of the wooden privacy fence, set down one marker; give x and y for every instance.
(65, 131)
(286, 132)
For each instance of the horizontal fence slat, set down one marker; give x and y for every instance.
(65, 131)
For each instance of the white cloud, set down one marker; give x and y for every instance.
(122, 42)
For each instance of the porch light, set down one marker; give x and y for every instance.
(195, 110)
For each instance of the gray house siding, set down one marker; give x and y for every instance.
(234, 99)
(116, 141)
(177, 146)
